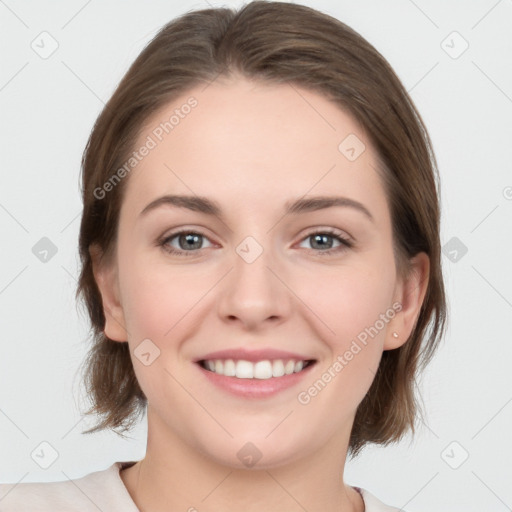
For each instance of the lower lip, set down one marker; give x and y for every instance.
(255, 388)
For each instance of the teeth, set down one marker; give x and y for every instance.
(260, 370)
(229, 368)
(263, 370)
(277, 368)
(289, 367)
(244, 369)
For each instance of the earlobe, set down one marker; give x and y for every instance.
(394, 340)
(410, 293)
(105, 275)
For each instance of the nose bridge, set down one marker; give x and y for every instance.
(253, 293)
(252, 262)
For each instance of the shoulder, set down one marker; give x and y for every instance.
(101, 490)
(373, 504)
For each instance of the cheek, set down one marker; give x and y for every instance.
(158, 303)
(352, 309)
(351, 306)
(349, 299)
(155, 300)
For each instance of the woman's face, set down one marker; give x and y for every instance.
(258, 280)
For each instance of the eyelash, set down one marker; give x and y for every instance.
(345, 242)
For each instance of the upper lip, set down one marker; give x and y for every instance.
(253, 355)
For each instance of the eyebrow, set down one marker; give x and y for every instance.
(210, 207)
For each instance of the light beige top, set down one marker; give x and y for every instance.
(99, 491)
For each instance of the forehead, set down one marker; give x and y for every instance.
(246, 141)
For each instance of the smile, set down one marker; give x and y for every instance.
(263, 370)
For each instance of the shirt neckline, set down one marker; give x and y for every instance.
(119, 466)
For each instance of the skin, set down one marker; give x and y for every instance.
(251, 147)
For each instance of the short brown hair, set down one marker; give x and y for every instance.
(278, 43)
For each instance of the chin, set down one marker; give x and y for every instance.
(255, 451)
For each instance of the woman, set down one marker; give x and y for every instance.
(261, 265)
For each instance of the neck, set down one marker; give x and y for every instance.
(175, 476)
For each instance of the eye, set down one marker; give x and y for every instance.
(189, 242)
(321, 239)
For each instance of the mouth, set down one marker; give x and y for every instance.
(257, 378)
(262, 370)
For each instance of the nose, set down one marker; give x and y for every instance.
(254, 293)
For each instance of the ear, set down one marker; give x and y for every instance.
(409, 293)
(105, 275)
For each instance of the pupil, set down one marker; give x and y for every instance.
(190, 238)
(322, 238)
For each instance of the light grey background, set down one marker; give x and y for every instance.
(48, 107)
